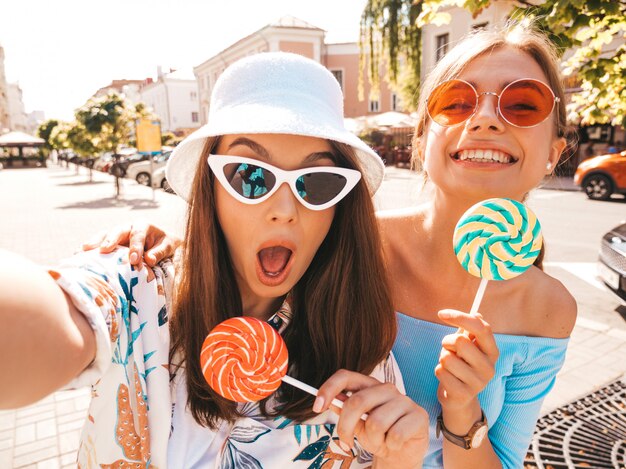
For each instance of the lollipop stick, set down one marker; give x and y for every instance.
(477, 299)
(311, 390)
(479, 295)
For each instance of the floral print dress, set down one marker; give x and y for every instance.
(138, 415)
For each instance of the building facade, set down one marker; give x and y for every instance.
(343, 62)
(35, 118)
(173, 97)
(130, 89)
(437, 40)
(290, 34)
(17, 115)
(5, 120)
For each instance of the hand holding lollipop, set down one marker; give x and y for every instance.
(496, 239)
(245, 360)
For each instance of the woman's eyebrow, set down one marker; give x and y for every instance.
(254, 146)
(321, 155)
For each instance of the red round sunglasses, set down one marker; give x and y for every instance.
(522, 103)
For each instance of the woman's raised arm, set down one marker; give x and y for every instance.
(44, 340)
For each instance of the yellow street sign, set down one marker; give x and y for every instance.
(148, 134)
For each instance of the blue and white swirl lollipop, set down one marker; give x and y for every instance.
(497, 239)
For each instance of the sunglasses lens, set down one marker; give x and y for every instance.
(249, 181)
(451, 103)
(526, 103)
(320, 188)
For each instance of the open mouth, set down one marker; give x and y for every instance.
(274, 264)
(484, 156)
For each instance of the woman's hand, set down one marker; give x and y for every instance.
(466, 364)
(144, 240)
(396, 428)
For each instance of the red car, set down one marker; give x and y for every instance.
(602, 175)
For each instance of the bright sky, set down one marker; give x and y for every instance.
(62, 51)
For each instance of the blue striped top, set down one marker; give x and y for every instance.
(525, 373)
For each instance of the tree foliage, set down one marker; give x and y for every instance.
(595, 30)
(102, 124)
(44, 130)
(108, 121)
(58, 136)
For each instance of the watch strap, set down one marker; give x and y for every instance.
(464, 441)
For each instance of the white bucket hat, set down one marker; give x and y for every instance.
(272, 93)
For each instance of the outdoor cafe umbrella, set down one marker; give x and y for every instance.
(391, 119)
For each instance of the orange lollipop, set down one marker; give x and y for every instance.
(244, 359)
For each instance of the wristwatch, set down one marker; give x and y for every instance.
(474, 438)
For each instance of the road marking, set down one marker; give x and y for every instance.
(583, 270)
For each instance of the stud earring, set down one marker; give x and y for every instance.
(549, 166)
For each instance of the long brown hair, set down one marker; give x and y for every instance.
(343, 316)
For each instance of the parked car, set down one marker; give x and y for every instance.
(612, 260)
(104, 162)
(121, 164)
(140, 171)
(602, 175)
(159, 180)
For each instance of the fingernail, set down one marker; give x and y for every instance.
(318, 405)
(444, 314)
(133, 257)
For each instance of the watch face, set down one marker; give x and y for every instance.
(479, 436)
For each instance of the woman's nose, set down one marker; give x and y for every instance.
(486, 115)
(283, 205)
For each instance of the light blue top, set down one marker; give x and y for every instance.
(525, 373)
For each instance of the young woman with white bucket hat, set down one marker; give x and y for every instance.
(281, 228)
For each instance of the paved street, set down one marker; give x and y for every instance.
(46, 213)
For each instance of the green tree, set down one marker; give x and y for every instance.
(108, 120)
(80, 140)
(45, 130)
(594, 29)
(58, 136)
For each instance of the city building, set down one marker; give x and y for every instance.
(343, 62)
(5, 120)
(12, 113)
(173, 97)
(131, 89)
(437, 40)
(290, 34)
(35, 118)
(17, 115)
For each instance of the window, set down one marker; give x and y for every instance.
(194, 117)
(193, 95)
(373, 107)
(396, 104)
(338, 74)
(441, 46)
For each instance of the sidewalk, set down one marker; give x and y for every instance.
(559, 183)
(46, 213)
